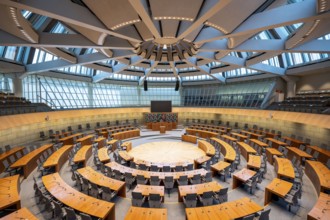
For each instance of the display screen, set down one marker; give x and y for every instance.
(161, 106)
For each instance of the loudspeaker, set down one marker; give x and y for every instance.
(145, 85)
(177, 85)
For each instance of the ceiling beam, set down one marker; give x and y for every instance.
(67, 12)
(277, 17)
(118, 68)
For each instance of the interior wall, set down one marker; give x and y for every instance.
(317, 81)
(25, 128)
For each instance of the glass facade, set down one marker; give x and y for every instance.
(67, 94)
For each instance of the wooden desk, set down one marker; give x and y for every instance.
(22, 213)
(125, 156)
(227, 150)
(83, 154)
(87, 140)
(198, 188)
(259, 143)
(277, 143)
(135, 213)
(206, 147)
(270, 153)
(324, 154)
(201, 160)
(299, 154)
(226, 211)
(267, 134)
(221, 165)
(321, 209)
(252, 134)
(69, 139)
(240, 137)
(147, 174)
(7, 154)
(9, 196)
(101, 180)
(319, 174)
(201, 133)
(189, 138)
(254, 162)
(103, 155)
(294, 142)
(146, 190)
(29, 161)
(284, 168)
(79, 201)
(162, 164)
(127, 146)
(101, 141)
(277, 187)
(58, 158)
(228, 137)
(113, 143)
(246, 150)
(242, 176)
(126, 134)
(155, 126)
(162, 129)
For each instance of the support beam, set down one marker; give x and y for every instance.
(65, 11)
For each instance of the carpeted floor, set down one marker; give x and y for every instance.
(175, 209)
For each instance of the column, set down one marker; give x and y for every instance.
(18, 86)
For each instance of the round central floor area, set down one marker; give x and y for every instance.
(167, 152)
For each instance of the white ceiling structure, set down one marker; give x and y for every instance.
(208, 37)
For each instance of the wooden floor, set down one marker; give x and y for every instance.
(167, 152)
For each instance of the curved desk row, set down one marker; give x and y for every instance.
(319, 174)
(324, 155)
(246, 150)
(160, 165)
(227, 150)
(9, 196)
(225, 211)
(7, 154)
(250, 134)
(83, 154)
(238, 136)
(29, 161)
(69, 140)
(216, 130)
(58, 158)
(199, 189)
(105, 133)
(97, 130)
(147, 174)
(101, 180)
(254, 162)
(226, 129)
(189, 138)
(126, 134)
(284, 169)
(206, 147)
(321, 209)
(201, 133)
(79, 201)
(103, 155)
(22, 213)
(135, 213)
(227, 137)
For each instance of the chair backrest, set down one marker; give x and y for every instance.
(309, 150)
(137, 195)
(154, 197)
(12, 159)
(18, 154)
(191, 196)
(5, 163)
(264, 215)
(183, 178)
(223, 191)
(197, 176)
(178, 168)
(316, 155)
(190, 166)
(153, 168)
(132, 164)
(70, 214)
(154, 178)
(248, 217)
(85, 216)
(207, 195)
(302, 147)
(166, 169)
(1, 150)
(140, 177)
(7, 147)
(328, 163)
(128, 175)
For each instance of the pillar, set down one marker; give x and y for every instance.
(18, 86)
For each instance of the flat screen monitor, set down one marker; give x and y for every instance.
(161, 106)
